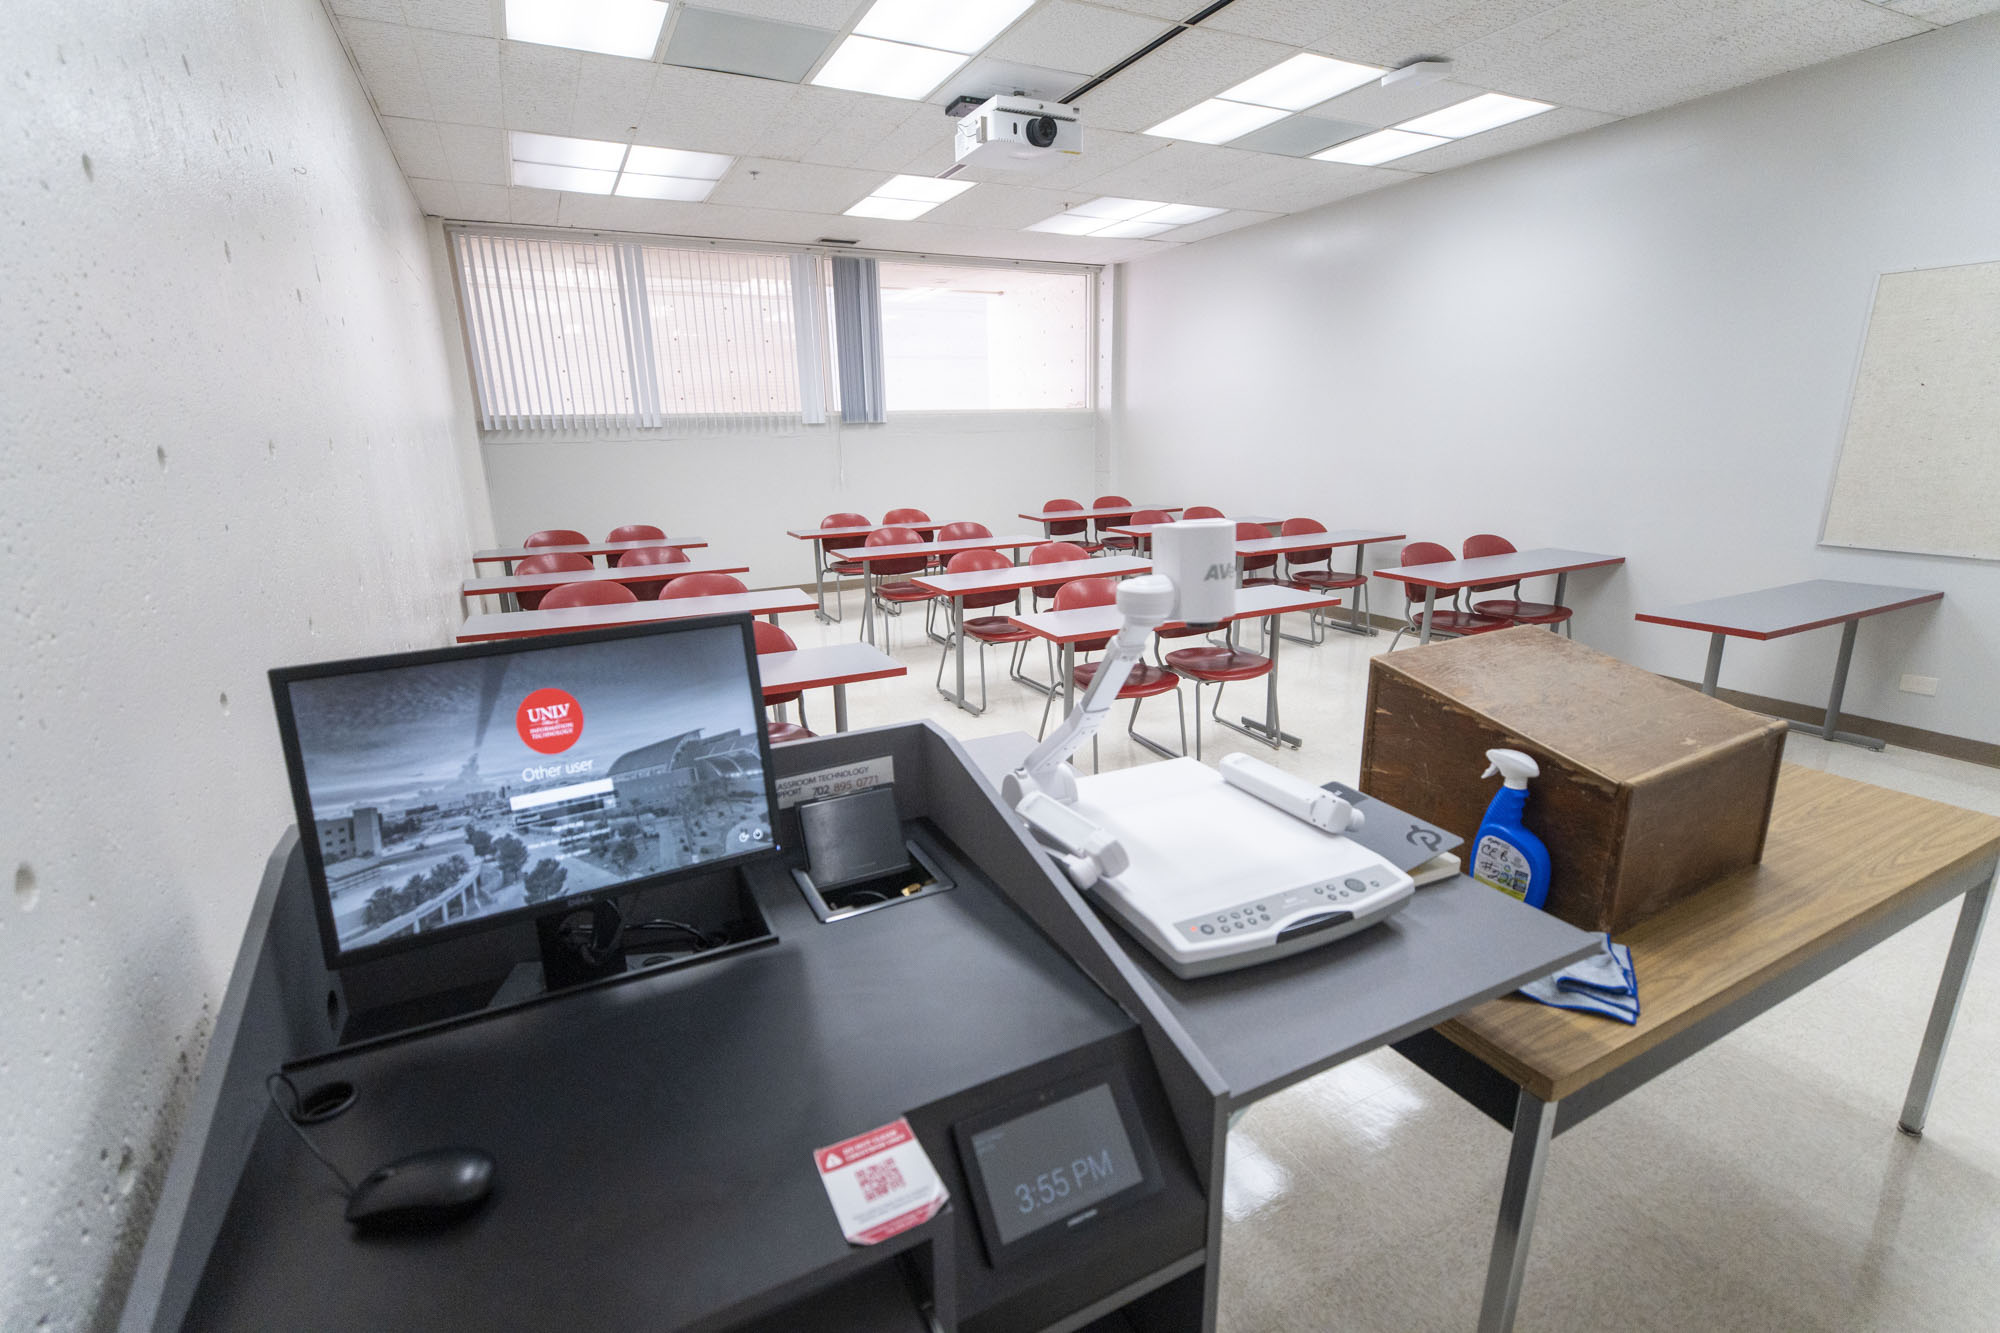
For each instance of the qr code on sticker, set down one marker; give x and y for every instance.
(878, 1180)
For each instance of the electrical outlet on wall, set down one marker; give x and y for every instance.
(1924, 685)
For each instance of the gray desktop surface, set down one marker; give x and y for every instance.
(1268, 1025)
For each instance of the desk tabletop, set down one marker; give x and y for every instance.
(1499, 568)
(1030, 576)
(1839, 852)
(1772, 613)
(625, 574)
(1108, 511)
(570, 619)
(497, 554)
(833, 664)
(1014, 541)
(853, 530)
(1148, 529)
(1315, 541)
(1094, 622)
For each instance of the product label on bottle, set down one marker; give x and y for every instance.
(1500, 865)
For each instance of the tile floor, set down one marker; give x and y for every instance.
(1760, 1185)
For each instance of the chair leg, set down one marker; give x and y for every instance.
(1399, 637)
(1047, 704)
(1132, 730)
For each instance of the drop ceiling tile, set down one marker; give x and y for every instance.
(1104, 151)
(1629, 56)
(474, 153)
(1291, 185)
(612, 94)
(712, 113)
(1062, 34)
(381, 11)
(1196, 65)
(818, 13)
(389, 67)
(1375, 106)
(1006, 207)
(1171, 10)
(1390, 34)
(536, 207)
(438, 199)
(797, 187)
(1521, 134)
(868, 123)
(538, 86)
(480, 18)
(1944, 11)
(744, 44)
(925, 135)
(987, 77)
(813, 117)
(488, 203)
(1180, 173)
(463, 74)
(415, 143)
(1234, 220)
(1295, 22)
(1300, 136)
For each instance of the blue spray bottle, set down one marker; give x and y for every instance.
(1505, 855)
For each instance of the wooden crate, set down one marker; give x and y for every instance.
(1648, 790)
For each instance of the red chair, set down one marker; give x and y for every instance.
(959, 532)
(1054, 553)
(904, 518)
(547, 564)
(839, 568)
(1218, 665)
(1145, 681)
(702, 585)
(1203, 511)
(1447, 621)
(1321, 580)
(1065, 527)
(556, 537)
(632, 532)
(892, 596)
(1249, 564)
(586, 594)
(1511, 609)
(986, 629)
(1138, 545)
(771, 639)
(648, 589)
(1103, 539)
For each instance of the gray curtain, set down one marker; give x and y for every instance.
(857, 331)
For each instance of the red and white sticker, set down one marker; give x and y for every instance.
(880, 1183)
(549, 720)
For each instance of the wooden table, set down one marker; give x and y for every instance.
(1845, 866)
(1047, 516)
(507, 555)
(865, 556)
(820, 537)
(1265, 602)
(1452, 575)
(838, 665)
(513, 584)
(959, 586)
(1772, 613)
(767, 602)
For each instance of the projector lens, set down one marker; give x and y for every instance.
(1042, 131)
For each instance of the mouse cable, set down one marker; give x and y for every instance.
(271, 1090)
(700, 937)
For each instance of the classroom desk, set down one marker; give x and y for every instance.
(866, 556)
(1144, 531)
(768, 602)
(513, 584)
(1266, 602)
(820, 537)
(507, 555)
(958, 586)
(1452, 575)
(1047, 516)
(1772, 613)
(838, 665)
(1359, 538)
(1845, 866)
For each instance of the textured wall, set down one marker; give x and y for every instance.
(1637, 339)
(233, 434)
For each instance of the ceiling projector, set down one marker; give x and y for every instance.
(1018, 134)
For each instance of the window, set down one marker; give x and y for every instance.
(960, 339)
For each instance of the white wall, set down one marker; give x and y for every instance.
(1639, 339)
(232, 436)
(741, 493)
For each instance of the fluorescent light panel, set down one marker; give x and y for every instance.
(1133, 230)
(598, 166)
(888, 69)
(906, 197)
(577, 180)
(1124, 219)
(1372, 150)
(899, 210)
(1216, 121)
(633, 185)
(1304, 80)
(1475, 115)
(1112, 207)
(612, 27)
(559, 151)
(647, 161)
(964, 26)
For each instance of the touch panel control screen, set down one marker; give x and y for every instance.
(1054, 1162)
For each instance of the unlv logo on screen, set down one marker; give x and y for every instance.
(549, 721)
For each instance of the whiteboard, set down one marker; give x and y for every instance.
(1919, 468)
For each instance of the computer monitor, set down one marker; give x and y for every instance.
(445, 792)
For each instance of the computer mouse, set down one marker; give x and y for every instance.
(423, 1191)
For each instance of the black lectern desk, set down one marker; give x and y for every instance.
(654, 1135)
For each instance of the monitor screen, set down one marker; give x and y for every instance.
(443, 791)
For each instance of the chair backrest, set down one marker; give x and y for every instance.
(702, 585)
(975, 562)
(1298, 527)
(1063, 527)
(636, 532)
(656, 555)
(1104, 500)
(1421, 553)
(1145, 516)
(1086, 592)
(644, 564)
(771, 639)
(563, 563)
(958, 532)
(1051, 554)
(586, 594)
(1251, 532)
(556, 537)
(1203, 511)
(843, 521)
(1485, 543)
(893, 536)
(897, 517)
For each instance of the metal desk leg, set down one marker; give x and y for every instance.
(867, 604)
(840, 706)
(958, 637)
(1534, 1123)
(1430, 609)
(1069, 678)
(1354, 624)
(819, 584)
(1957, 962)
(1268, 731)
(1714, 669)
(1562, 582)
(1829, 729)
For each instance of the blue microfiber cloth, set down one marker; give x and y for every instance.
(1603, 983)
